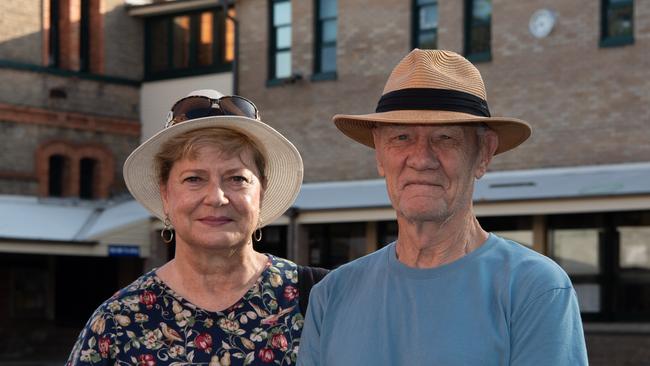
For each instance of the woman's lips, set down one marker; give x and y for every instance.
(215, 220)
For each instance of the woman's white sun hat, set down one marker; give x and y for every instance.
(284, 168)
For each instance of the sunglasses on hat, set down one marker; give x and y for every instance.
(197, 106)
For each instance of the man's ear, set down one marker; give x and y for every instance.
(378, 153)
(488, 144)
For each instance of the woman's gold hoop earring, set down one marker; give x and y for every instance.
(167, 234)
(257, 235)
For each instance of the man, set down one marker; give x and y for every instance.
(446, 292)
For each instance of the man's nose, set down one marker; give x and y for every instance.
(422, 156)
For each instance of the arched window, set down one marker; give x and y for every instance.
(87, 175)
(57, 175)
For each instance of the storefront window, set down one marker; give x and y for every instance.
(331, 245)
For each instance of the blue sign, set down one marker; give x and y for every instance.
(123, 251)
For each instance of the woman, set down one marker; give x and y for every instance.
(217, 175)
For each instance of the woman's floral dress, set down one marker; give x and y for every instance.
(148, 324)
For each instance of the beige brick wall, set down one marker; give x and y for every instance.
(20, 31)
(588, 105)
(123, 41)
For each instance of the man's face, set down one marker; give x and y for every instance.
(430, 170)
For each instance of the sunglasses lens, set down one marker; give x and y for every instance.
(198, 107)
(191, 108)
(237, 106)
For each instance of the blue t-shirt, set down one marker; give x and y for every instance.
(502, 304)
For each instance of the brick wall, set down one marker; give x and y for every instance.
(20, 31)
(588, 105)
(123, 40)
(21, 171)
(38, 90)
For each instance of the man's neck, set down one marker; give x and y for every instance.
(432, 244)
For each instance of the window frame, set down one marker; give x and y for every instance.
(614, 41)
(468, 26)
(611, 277)
(272, 79)
(219, 63)
(319, 74)
(416, 31)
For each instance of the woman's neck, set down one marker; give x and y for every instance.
(198, 277)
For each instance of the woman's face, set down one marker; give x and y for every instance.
(213, 200)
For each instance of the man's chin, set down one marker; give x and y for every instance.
(424, 214)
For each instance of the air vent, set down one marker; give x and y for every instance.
(512, 185)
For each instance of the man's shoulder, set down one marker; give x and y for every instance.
(357, 271)
(528, 267)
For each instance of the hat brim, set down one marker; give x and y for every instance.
(511, 131)
(284, 167)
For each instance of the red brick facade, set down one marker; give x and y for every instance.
(69, 35)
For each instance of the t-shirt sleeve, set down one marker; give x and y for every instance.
(548, 331)
(310, 342)
(96, 342)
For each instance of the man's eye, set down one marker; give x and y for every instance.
(402, 137)
(445, 137)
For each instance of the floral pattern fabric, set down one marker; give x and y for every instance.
(148, 324)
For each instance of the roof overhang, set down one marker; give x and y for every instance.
(149, 9)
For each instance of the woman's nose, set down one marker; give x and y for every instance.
(216, 196)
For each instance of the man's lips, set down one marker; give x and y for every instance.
(215, 220)
(420, 183)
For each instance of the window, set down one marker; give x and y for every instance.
(607, 257)
(87, 173)
(70, 170)
(54, 57)
(274, 241)
(617, 22)
(280, 47)
(188, 44)
(326, 24)
(478, 29)
(386, 232)
(425, 24)
(331, 245)
(57, 175)
(84, 36)
(517, 228)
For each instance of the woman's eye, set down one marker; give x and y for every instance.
(192, 179)
(239, 179)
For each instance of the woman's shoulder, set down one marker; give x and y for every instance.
(137, 291)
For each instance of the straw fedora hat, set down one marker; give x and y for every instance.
(434, 87)
(284, 168)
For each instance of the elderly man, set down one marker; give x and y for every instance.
(446, 292)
